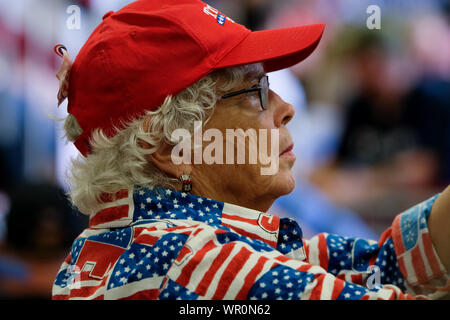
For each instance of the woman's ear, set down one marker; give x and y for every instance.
(166, 161)
(164, 158)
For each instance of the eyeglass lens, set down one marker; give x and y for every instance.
(264, 85)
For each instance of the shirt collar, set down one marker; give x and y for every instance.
(140, 204)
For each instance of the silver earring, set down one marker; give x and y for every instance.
(186, 182)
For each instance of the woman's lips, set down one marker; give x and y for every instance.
(288, 152)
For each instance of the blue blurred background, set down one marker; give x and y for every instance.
(371, 131)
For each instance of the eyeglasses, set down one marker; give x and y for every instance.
(262, 88)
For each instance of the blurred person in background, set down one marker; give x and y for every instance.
(40, 227)
(307, 203)
(395, 141)
(431, 56)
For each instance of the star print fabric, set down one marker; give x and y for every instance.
(165, 244)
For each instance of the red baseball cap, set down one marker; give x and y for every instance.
(150, 49)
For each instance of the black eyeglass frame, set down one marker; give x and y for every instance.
(262, 88)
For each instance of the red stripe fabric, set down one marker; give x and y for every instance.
(230, 272)
(357, 278)
(431, 256)
(317, 290)
(217, 263)
(323, 251)
(402, 267)
(418, 265)
(110, 197)
(241, 219)
(338, 287)
(185, 275)
(397, 236)
(109, 214)
(250, 278)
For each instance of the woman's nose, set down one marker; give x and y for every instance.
(283, 111)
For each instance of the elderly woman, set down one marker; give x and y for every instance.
(174, 222)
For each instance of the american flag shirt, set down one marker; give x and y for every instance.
(165, 244)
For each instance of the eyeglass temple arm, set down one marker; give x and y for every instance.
(232, 94)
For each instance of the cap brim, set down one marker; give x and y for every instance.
(276, 49)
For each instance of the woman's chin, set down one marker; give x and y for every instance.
(290, 183)
(285, 183)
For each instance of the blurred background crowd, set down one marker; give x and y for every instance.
(371, 131)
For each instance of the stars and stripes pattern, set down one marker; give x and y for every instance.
(165, 244)
(417, 259)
